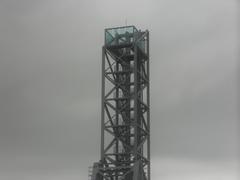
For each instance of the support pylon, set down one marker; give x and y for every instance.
(125, 114)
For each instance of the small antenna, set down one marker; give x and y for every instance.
(126, 22)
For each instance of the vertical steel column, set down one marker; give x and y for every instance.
(135, 97)
(148, 112)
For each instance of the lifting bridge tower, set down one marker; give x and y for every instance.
(125, 115)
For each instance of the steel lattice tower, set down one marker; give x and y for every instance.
(125, 115)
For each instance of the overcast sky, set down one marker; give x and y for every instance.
(50, 67)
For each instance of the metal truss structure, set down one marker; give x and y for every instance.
(125, 115)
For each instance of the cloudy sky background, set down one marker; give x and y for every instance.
(50, 62)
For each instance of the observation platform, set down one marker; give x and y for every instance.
(125, 36)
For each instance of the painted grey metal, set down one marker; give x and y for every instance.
(148, 113)
(125, 113)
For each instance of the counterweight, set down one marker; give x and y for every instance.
(125, 113)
